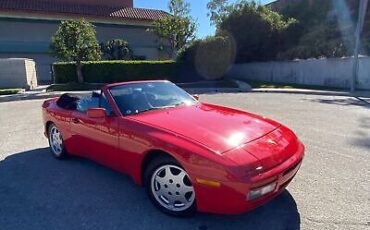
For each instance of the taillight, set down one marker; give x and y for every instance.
(45, 104)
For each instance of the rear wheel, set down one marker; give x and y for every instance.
(56, 142)
(169, 187)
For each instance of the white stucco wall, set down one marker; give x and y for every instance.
(332, 72)
(18, 73)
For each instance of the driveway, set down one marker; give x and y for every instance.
(331, 191)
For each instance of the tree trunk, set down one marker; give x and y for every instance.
(80, 77)
(173, 53)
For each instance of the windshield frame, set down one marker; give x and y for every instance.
(109, 89)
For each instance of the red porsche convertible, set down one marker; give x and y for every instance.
(190, 156)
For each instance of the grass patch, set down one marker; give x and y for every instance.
(73, 86)
(209, 84)
(10, 91)
(273, 85)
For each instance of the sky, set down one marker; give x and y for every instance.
(198, 11)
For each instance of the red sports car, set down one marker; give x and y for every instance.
(189, 155)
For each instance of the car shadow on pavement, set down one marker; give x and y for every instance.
(354, 101)
(362, 138)
(38, 191)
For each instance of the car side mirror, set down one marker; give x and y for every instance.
(196, 96)
(96, 113)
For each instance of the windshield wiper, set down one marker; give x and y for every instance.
(178, 104)
(157, 108)
(162, 107)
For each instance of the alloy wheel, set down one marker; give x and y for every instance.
(56, 141)
(172, 188)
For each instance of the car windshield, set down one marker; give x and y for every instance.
(137, 98)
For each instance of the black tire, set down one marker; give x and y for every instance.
(155, 165)
(59, 154)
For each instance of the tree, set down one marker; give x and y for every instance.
(75, 41)
(177, 29)
(259, 33)
(325, 28)
(179, 8)
(218, 9)
(116, 49)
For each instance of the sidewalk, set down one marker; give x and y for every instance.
(36, 94)
(364, 94)
(40, 93)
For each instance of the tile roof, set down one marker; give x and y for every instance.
(50, 8)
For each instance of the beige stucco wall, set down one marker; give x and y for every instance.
(26, 38)
(18, 73)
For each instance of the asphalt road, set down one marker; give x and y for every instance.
(331, 191)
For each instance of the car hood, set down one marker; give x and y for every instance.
(216, 127)
(270, 150)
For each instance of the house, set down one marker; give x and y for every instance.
(26, 27)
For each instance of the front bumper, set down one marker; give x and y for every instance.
(231, 197)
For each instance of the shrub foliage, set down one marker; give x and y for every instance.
(259, 32)
(116, 71)
(326, 29)
(116, 49)
(211, 58)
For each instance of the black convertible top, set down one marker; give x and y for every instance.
(68, 101)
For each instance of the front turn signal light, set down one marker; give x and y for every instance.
(208, 182)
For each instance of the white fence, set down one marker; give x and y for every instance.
(18, 73)
(332, 72)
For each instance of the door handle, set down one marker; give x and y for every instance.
(75, 120)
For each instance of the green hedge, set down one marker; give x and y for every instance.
(116, 71)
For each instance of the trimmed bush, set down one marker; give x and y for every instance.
(211, 58)
(116, 49)
(116, 71)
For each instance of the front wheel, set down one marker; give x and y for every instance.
(169, 187)
(56, 142)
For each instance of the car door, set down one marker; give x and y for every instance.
(96, 138)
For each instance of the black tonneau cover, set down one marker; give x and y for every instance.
(68, 101)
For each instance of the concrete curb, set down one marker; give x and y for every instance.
(365, 94)
(242, 85)
(213, 90)
(36, 96)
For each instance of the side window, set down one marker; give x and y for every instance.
(105, 104)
